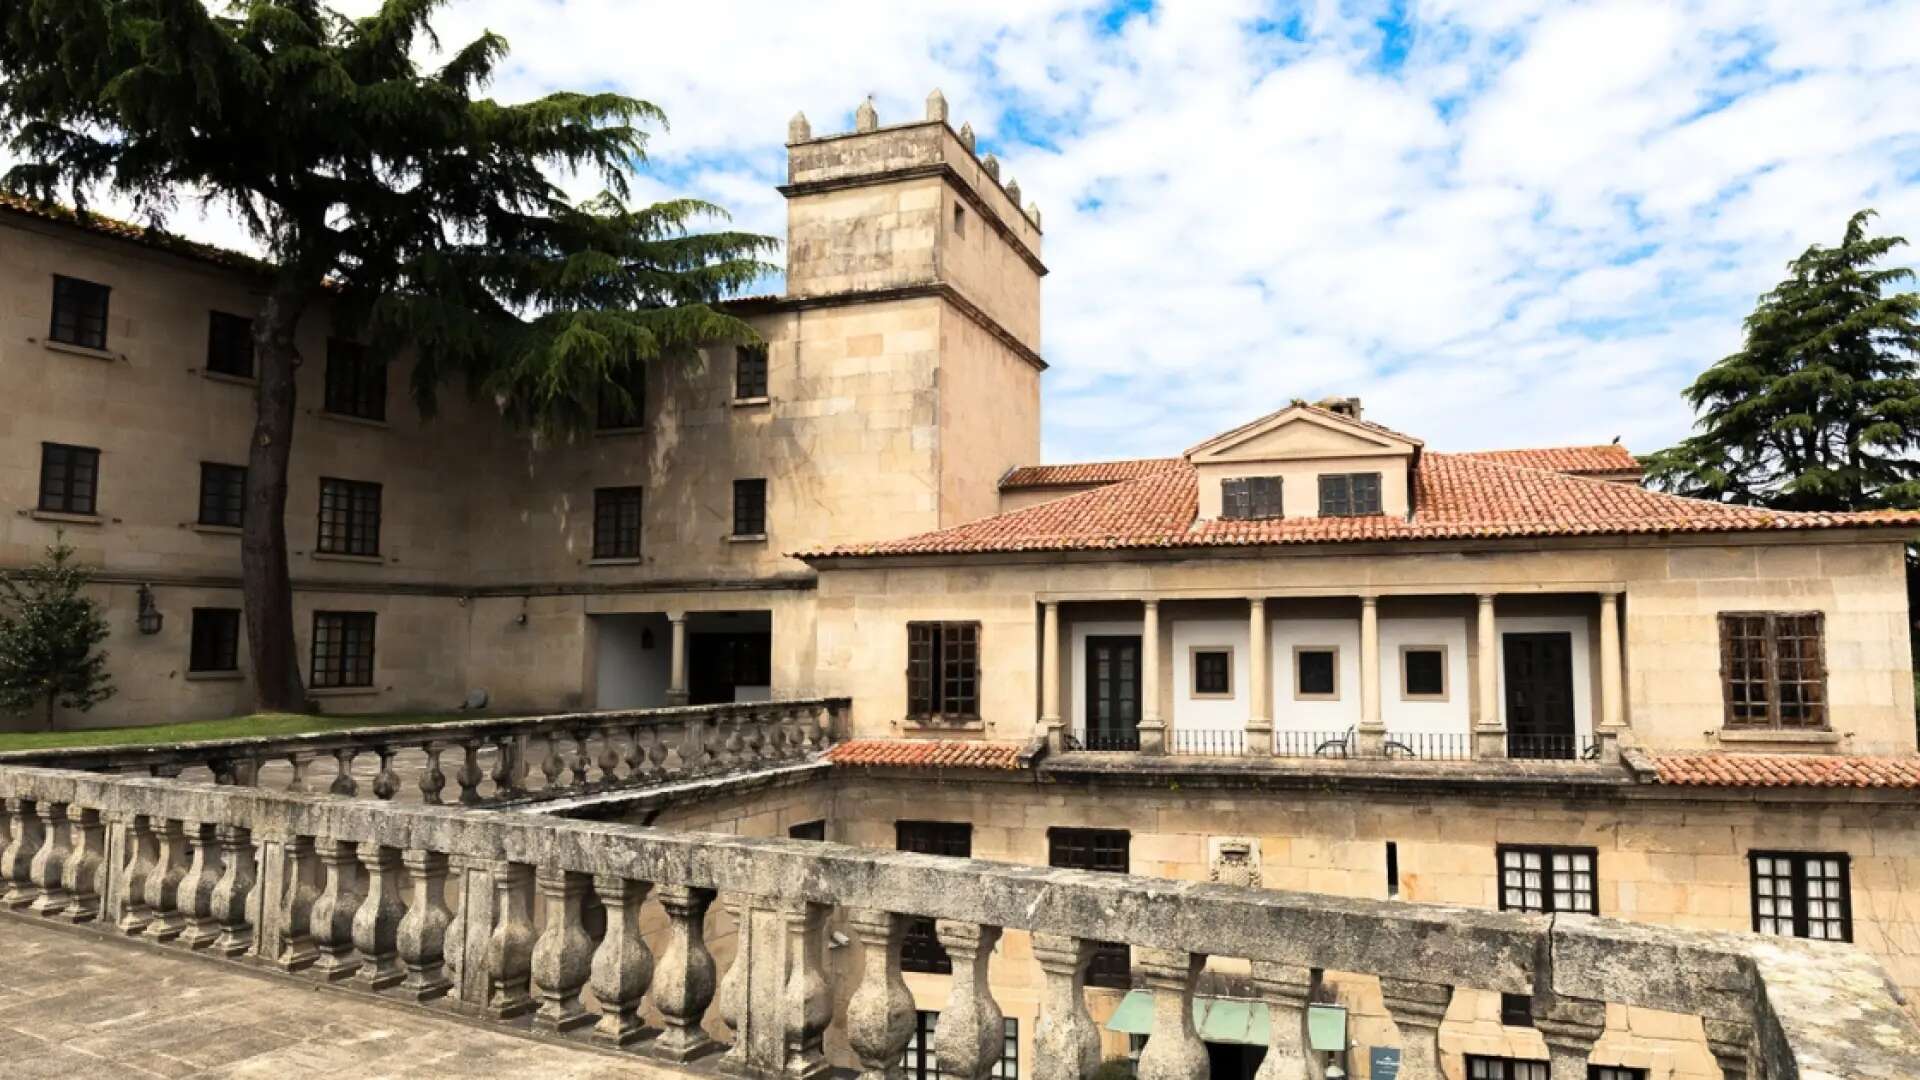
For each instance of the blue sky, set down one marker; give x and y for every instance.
(1500, 222)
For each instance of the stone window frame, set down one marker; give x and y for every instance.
(1194, 652)
(1446, 679)
(749, 507)
(1252, 498)
(1341, 494)
(1742, 674)
(1799, 881)
(1300, 695)
(223, 495)
(77, 468)
(943, 670)
(214, 641)
(1549, 892)
(79, 312)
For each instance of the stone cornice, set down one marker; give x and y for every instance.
(938, 169)
(940, 289)
(800, 582)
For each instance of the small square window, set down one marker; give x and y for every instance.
(230, 345)
(749, 508)
(79, 313)
(750, 371)
(1423, 672)
(216, 640)
(1316, 673)
(342, 649)
(349, 517)
(1212, 672)
(223, 495)
(69, 478)
(616, 523)
(1516, 1010)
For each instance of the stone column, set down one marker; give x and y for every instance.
(622, 965)
(684, 985)
(1066, 1042)
(1418, 1008)
(563, 957)
(1571, 1028)
(970, 1035)
(1284, 988)
(1153, 726)
(1373, 731)
(1489, 733)
(1259, 681)
(880, 1015)
(1174, 1050)
(677, 674)
(1051, 725)
(1612, 679)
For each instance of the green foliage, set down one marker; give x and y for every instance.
(50, 631)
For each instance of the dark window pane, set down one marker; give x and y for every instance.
(1426, 672)
(356, 381)
(808, 830)
(1349, 494)
(1516, 1010)
(749, 507)
(1213, 672)
(1105, 851)
(216, 640)
(1773, 669)
(616, 523)
(69, 478)
(342, 649)
(1236, 500)
(1250, 498)
(922, 950)
(230, 345)
(223, 494)
(615, 413)
(1315, 677)
(349, 517)
(79, 313)
(750, 371)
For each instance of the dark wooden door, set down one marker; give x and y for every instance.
(1539, 678)
(718, 663)
(1113, 692)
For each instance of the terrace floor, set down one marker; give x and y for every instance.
(76, 1004)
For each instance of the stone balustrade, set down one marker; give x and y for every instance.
(533, 922)
(489, 761)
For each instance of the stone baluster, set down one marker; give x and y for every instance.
(1066, 1043)
(228, 899)
(81, 876)
(880, 1015)
(166, 914)
(132, 884)
(1418, 1008)
(582, 758)
(684, 981)
(1285, 988)
(16, 861)
(658, 751)
(50, 860)
(733, 750)
(506, 759)
(343, 782)
(331, 920)
(297, 782)
(550, 763)
(421, 938)
(622, 966)
(433, 779)
(386, 782)
(287, 940)
(509, 953)
(639, 766)
(376, 923)
(808, 1001)
(1732, 1045)
(969, 1037)
(224, 770)
(691, 748)
(751, 1048)
(469, 774)
(196, 888)
(763, 743)
(610, 756)
(1571, 1027)
(1174, 1050)
(563, 957)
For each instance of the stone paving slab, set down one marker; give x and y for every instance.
(77, 1005)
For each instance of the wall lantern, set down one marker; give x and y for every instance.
(149, 618)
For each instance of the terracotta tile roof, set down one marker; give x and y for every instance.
(927, 754)
(126, 230)
(1456, 496)
(1083, 473)
(1573, 460)
(1720, 769)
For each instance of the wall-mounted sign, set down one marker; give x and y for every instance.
(1384, 1063)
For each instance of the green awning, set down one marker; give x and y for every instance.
(1220, 1020)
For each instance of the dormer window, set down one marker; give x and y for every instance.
(1349, 494)
(1251, 498)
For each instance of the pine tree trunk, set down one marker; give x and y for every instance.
(49, 720)
(263, 552)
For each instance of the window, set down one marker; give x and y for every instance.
(920, 1063)
(1349, 494)
(230, 345)
(943, 669)
(959, 220)
(349, 517)
(615, 414)
(223, 494)
(1423, 672)
(1212, 673)
(1316, 673)
(1615, 1072)
(1772, 665)
(922, 951)
(69, 478)
(616, 523)
(1105, 851)
(749, 508)
(1553, 879)
(1499, 1068)
(1250, 499)
(1393, 869)
(356, 382)
(79, 313)
(216, 640)
(749, 371)
(342, 649)
(1516, 1010)
(808, 830)
(1800, 894)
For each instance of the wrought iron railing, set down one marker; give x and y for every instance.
(1431, 745)
(1103, 740)
(1529, 746)
(1302, 744)
(1207, 743)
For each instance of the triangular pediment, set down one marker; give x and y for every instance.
(1302, 433)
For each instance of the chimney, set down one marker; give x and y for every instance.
(1348, 407)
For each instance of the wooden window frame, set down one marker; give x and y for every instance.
(72, 457)
(218, 505)
(356, 384)
(614, 535)
(1770, 680)
(1301, 695)
(934, 692)
(1252, 498)
(1550, 903)
(1340, 495)
(229, 340)
(85, 329)
(750, 372)
(1798, 860)
(347, 531)
(753, 522)
(1194, 653)
(213, 645)
(610, 414)
(1446, 678)
(331, 642)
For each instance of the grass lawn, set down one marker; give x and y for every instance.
(232, 727)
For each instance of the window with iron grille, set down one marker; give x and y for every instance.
(69, 478)
(1500, 1068)
(1537, 878)
(1107, 851)
(216, 640)
(223, 494)
(342, 649)
(616, 523)
(1615, 1072)
(356, 381)
(919, 1062)
(230, 344)
(922, 951)
(1251, 498)
(749, 508)
(1349, 494)
(1802, 894)
(943, 669)
(750, 371)
(349, 517)
(79, 313)
(615, 414)
(1774, 669)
